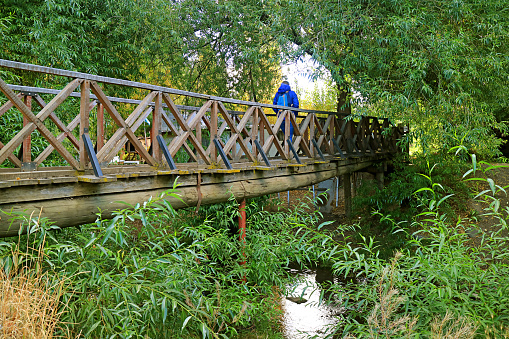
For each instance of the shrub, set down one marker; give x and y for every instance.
(154, 272)
(440, 277)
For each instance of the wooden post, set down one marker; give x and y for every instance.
(331, 135)
(254, 133)
(312, 135)
(262, 128)
(156, 128)
(84, 121)
(100, 127)
(27, 147)
(287, 131)
(199, 139)
(347, 186)
(213, 131)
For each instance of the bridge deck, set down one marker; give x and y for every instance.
(214, 151)
(70, 198)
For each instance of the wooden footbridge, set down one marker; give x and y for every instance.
(211, 150)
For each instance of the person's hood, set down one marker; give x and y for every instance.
(283, 88)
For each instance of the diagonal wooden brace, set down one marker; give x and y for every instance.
(121, 123)
(37, 122)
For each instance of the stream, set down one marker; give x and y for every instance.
(304, 316)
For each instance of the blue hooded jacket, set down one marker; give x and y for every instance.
(293, 101)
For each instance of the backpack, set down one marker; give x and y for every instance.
(282, 100)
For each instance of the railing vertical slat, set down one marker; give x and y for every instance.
(27, 142)
(254, 133)
(84, 121)
(312, 134)
(213, 131)
(100, 127)
(156, 128)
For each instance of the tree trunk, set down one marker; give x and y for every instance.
(343, 102)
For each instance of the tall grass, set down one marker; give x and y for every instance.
(441, 284)
(154, 272)
(30, 305)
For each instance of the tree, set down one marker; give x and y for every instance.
(439, 65)
(201, 46)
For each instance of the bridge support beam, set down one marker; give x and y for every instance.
(76, 203)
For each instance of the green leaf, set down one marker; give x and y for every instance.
(185, 322)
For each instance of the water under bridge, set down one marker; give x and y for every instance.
(113, 149)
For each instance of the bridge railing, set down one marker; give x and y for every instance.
(212, 135)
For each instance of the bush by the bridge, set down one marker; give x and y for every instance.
(154, 272)
(449, 279)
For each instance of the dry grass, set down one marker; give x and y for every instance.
(30, 305)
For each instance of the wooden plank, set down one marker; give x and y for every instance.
(37, 122)
(60, 138)
(5, 184)
(121, 123)
(155, 129)
(63, 180)
(213, 131)
(96, 180)
(135, 180)
(24, 182)
(59, 123)
(36, 174)
(82, 209)
(84, 122)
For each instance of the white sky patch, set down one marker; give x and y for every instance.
(300, 75)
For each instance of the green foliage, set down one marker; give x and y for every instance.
(439, 67)
(152, 271)
(447, 269)
(399, 196)
(197, 46)
(321, 97)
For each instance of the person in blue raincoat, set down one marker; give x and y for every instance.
(286, 97)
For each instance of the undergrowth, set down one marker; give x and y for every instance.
(153, 272)
(441, 283)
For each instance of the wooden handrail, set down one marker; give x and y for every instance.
(333, 137)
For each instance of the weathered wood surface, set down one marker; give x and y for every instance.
(71, 194)
(77, 202)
